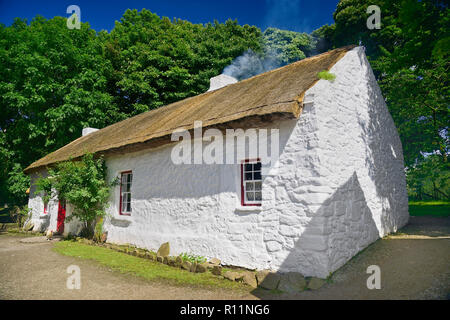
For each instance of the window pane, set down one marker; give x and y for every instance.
(257, 166)
(124, 179)
(258, 196)
(248, 167)
(250, 196)
(257, 186)
(249, 186)
(248, 176)
(129, 177)
(124, 202)
(129, 207)
(257, 175)
(128, 187)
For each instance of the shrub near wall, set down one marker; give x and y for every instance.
(82, 184)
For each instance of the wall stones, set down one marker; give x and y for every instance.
(292, 282)
(186, 265)
(164, 250)
(315, 283)
(216, 270)
(273, 246)
(250, 279)
(267, 279)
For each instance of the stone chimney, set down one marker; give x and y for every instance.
(88, 130)
(220, 81)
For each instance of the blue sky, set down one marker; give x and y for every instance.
(296, 15)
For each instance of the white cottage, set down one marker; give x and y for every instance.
(337, 185)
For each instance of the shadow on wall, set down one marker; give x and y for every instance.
(384, 157)
(345, 224)
(337, 231)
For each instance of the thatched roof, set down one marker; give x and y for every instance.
(279, 91)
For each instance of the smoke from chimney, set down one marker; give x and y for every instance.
(250, 64)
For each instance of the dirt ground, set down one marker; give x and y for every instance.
(415, 264)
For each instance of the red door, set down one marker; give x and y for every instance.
(61, 216)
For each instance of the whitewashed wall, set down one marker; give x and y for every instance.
(340, 185)
(197, 207)
(42, 222)
(359, 189)
(48, 221)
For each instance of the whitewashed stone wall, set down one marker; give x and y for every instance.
(197, 207)
(361, 158)
(340, 185)
(48, 221)
(42, 222)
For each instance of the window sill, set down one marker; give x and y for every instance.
(241, 208)
(121, 220)
(122, 216)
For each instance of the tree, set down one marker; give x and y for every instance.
(323, 38)
(409, 55)
(82, 184)
(158, 61)
(286, 46)
(52, 84)
(280, 47)
(429, 179)
(55, 81)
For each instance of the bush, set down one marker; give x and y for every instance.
(429, 179)
(98, 231)
(20, 214)
(83, 185)
(192, 258)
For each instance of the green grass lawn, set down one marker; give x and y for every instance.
(147, 269)
(429, 208)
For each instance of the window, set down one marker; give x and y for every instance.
(251, 183)
(125, 192)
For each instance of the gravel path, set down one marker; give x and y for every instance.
(34, 271)
(414, 265)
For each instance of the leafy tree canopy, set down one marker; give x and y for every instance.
(54, 81)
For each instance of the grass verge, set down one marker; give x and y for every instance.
(147, 269)
(429, 208)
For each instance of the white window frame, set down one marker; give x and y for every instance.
(125, 191)
(251, 185)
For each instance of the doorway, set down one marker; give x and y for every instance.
(61, 216)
